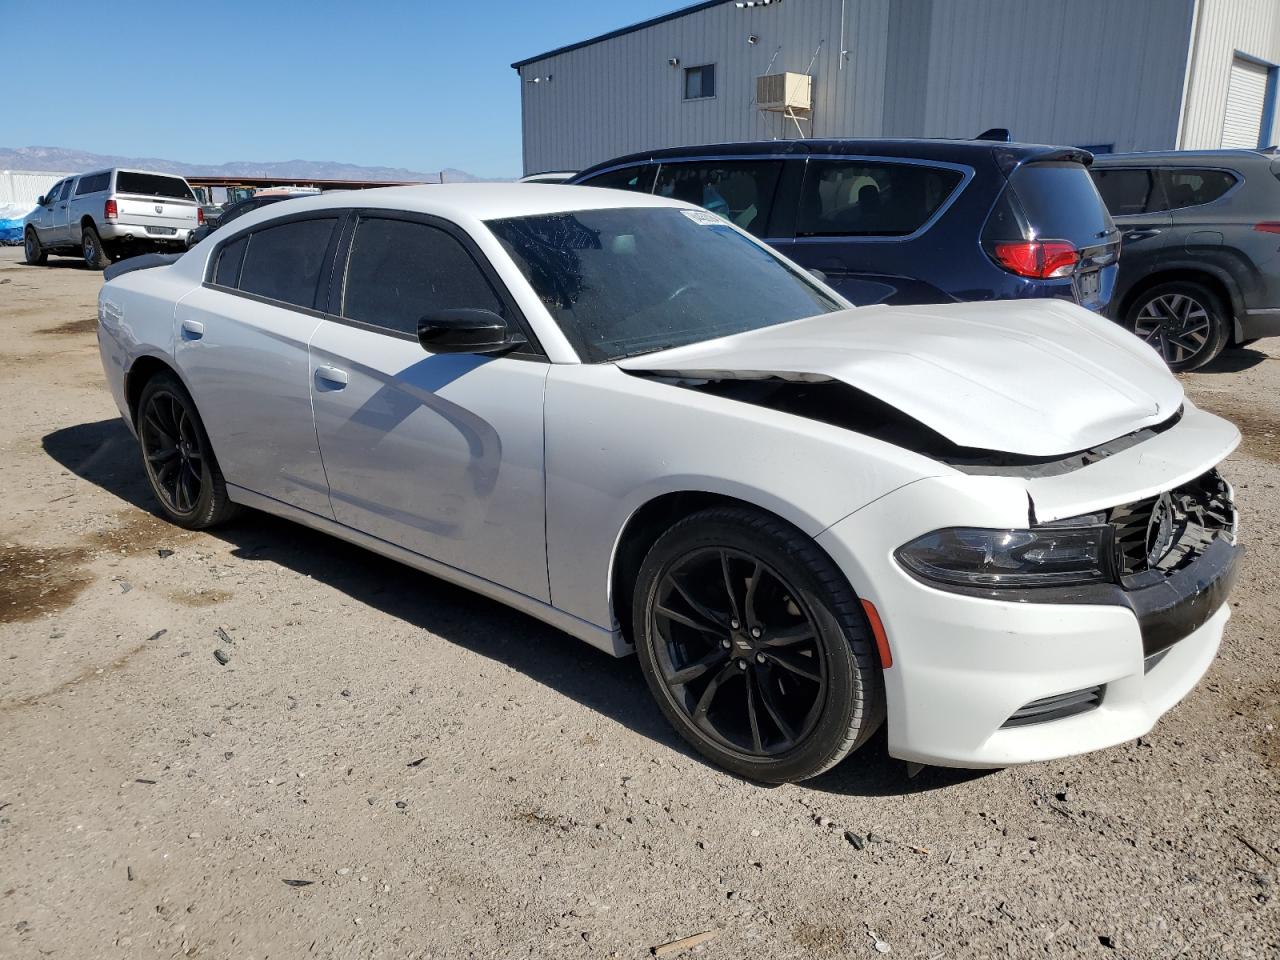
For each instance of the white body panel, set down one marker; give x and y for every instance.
(518, 477)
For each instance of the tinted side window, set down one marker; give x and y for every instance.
(866, 198)
(66, 190)
(638, 178)
(1129, 191)
(741, 191)
(52, 195)
(227, 272)
(1188, 188)
(93, 184)
(285, 262)
(399, 271)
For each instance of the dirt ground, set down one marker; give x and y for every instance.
(390, 767)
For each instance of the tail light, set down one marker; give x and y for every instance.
(110, 211)
(1268, 227)
(199, 216)
(1038, 259)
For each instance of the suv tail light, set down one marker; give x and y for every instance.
(1038, 259)
(109, 210)
(199, 216)
(1269, 227)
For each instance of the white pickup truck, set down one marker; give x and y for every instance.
(111, 214)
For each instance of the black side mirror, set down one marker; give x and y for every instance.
(41, 200)
(464, 330)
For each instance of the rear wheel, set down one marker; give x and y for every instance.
(179, 461)
(95, 254)
(35, 253)
(1186, 322)
(755, 647)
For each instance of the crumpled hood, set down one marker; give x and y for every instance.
(1032, 377)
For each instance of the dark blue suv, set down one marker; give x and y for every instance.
(903, 221)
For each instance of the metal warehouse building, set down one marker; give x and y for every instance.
(1107, 74)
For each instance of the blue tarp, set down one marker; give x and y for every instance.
(13, 218)
(11, 231)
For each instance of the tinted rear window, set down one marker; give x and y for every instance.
(1190, 188)
(1060, 202)
(285, 262)
(153, 185)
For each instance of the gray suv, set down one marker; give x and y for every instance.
(1200, 266)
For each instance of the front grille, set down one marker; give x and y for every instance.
(1056, 707)
(1186, 520)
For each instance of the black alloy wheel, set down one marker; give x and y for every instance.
(738, 652)
(754, 645)
(176, 454)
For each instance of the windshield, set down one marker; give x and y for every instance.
(622, 282)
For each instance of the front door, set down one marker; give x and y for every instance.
(44, 217)
(439, 454)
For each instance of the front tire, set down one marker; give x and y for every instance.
(178, 457)
(1186, 322)
(35, 253)
(755, 647)
(95, 254)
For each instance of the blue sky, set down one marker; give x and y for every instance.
(420, 85)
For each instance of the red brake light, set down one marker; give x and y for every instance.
(199, 216)
(1040, 259)
(1268, 227)
(109, 211)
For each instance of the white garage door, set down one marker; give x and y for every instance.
(1246, 99)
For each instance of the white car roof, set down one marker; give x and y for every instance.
(461, 202)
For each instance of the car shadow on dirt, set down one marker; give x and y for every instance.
(106, 454)
(1234, 360)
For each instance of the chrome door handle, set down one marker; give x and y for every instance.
(1140, 234)
(332, 377)
(192, 330)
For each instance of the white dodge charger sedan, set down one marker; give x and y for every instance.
(998, 527)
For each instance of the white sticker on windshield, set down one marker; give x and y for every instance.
(704, 217)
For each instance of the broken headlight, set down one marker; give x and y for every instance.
(1043, 556)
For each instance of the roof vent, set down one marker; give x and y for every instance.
(788, 93)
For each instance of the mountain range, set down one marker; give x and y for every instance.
(63, 160)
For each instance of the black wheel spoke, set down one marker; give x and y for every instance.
(699, 668)
(796, 664)
(749, 603)
(709, 694)
(789, 636)
(708, 615)
(728, 586)
(753, 718)
(669, 614)
(774, 709)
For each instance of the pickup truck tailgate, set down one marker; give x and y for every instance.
(157, 211)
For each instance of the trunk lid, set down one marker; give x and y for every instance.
(1037, 378)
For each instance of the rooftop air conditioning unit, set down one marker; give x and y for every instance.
(784, 92)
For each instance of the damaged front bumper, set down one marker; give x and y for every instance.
(993, 678)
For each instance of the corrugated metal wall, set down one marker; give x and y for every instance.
(1077, 72)
(1225, 27)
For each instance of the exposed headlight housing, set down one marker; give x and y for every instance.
(1056, 554)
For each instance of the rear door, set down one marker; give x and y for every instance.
(439, 454)
(864, 223)
(242, 349)
(163, 204)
